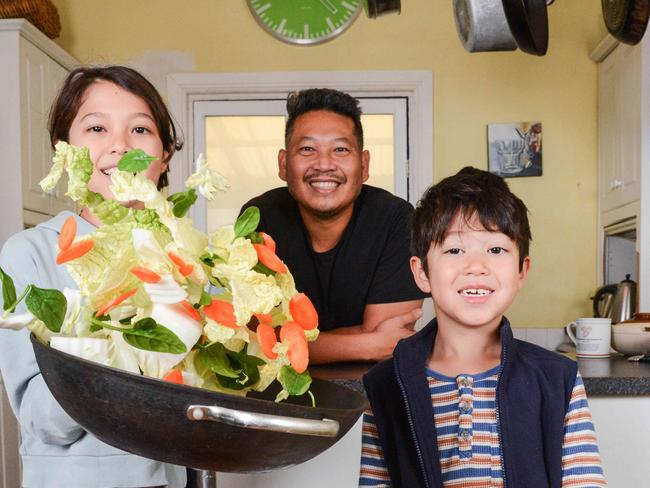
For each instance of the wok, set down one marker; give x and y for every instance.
(176, 423)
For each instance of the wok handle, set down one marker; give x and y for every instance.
(264, 421)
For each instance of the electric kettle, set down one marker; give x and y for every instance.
(616, 301)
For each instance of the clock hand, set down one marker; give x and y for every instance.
(329, 6)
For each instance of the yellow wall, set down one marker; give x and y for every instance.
(469, 91)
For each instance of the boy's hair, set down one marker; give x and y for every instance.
(469, 192)
(313, 99)
(71, 97)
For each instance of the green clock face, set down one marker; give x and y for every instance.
(305, 21)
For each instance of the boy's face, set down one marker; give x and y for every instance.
(473, 276)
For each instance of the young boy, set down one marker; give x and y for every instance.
(462, 403)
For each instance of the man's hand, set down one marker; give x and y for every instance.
(389, 332)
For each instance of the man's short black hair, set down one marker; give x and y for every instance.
(469, 192)
(313, 99)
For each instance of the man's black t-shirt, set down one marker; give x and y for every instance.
(370, 264)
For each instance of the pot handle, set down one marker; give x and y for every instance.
(264, 421)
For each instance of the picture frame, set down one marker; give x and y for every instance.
(515, 149)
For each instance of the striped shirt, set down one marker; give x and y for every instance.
(467, 431)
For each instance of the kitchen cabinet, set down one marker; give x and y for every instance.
(33, 68)
(619, 127)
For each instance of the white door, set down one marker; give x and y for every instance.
(241, 139)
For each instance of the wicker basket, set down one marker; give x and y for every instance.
(42, 13)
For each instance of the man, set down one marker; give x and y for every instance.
(346, 243)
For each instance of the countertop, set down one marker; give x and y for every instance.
(615, 376)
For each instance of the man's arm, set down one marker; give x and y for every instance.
(384, 324)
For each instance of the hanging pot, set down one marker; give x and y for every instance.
(375, 8)
(626, 20)
(528, 21)
(194, 427)
(482, 26)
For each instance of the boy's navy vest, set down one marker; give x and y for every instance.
(533, 395)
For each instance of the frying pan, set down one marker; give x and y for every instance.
(375, 8)
(194, 427)
(528, 21)
(626, 20)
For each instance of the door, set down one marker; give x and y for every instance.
(241, 139)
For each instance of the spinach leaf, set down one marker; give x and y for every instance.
(214, 358)
(149, 335)
(8, 291)
(182, 202)
(47, 305)
(294, 383)
(135, 161)
(247, 222)
(248, 367)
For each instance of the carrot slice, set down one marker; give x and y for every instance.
(115, 302)
(74, 251)
(268, 240)
(67, 234)
(222, 313)
(174, 376)
(266, 338)
(303, 311)
(298, 352)
(145, 274)
(190, 310)
(269, 259)
(264, 318)
(183, 267)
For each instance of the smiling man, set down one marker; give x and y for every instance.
(346, 243)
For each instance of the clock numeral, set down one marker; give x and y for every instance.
(351, 8)
(330, 24)
(280, 28)
(263, 9)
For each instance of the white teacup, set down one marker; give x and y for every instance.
(592, 336)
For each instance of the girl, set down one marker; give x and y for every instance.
(109, 110)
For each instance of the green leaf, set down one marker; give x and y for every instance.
(255, 238)
(48, 306)
(182, 202)
(247, 222)
(248, 365)
(135, 161)
(8, 291)
(205, 299)
(263, 269)
(149, 335)
(214, 358)
(294, 383)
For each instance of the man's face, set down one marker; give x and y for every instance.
(323, 165)
(473, 276)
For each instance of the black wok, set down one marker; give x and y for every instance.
(172, 423)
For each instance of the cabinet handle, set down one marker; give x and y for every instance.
(614, 185)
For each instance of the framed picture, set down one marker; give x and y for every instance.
(515, 149)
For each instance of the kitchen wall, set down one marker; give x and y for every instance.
(469, 91)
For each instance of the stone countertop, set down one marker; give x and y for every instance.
(615, 376)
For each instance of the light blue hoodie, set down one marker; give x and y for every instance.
(56, 451)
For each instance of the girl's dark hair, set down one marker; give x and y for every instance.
(71, 96)
(313, 99)
(469, 192)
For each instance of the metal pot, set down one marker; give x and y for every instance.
(528, 21)
(616, 301)
(626, 20)
(195, 427)
(482, 26)
(374, 8)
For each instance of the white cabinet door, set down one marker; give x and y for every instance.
(619, 115)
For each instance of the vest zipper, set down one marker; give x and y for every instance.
(410, 419)
(503, 462)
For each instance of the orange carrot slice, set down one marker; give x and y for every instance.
(74, 251)
(264, 318)
(269, 259)
(115, 302)
(298, 352)
(174, 376)
(145, 274)
(222, 313)
(266, 338)
(303, 311)
(268, 240)
(184, 268)
(67, 234)
(190, 310)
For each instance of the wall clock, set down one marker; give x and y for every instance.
(305, 21)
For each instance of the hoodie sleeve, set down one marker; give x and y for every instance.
(28, 259)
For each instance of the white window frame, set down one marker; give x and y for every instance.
(186, 88)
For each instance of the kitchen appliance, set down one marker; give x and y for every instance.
(194, 427)
(616, 301)
(632, 336)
